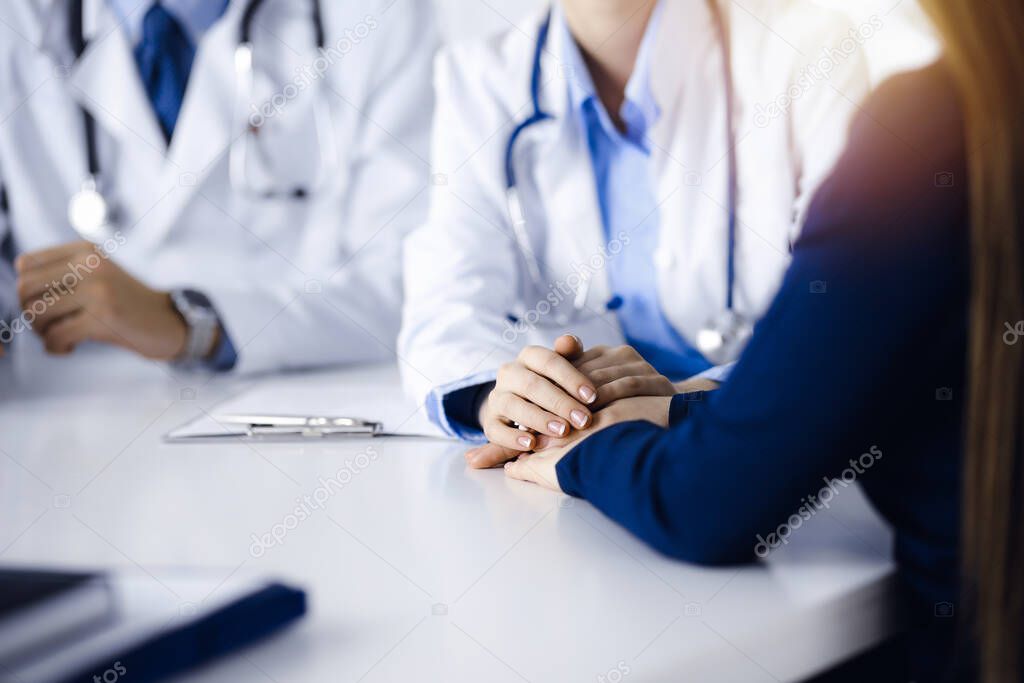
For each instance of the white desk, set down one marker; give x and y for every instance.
(417, 568)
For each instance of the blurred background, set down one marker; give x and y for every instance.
(905, 40)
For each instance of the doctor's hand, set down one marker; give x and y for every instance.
(75, 293)
(540, 390)
(539, 467)
(650, 408)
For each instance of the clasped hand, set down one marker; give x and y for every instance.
(565, 394)
(75, 293)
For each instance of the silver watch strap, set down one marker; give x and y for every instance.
(202, 321)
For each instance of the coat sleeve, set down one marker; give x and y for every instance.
(353, 315)
(461, 266)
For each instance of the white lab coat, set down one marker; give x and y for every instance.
(296, 283)
(464, 273)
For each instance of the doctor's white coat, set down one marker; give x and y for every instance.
(799, 72)
(297, 283)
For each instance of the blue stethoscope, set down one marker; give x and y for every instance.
(724, 336)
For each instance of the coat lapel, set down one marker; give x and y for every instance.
(205, 128)
(105, 82)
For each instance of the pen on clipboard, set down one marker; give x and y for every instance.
(307, 426)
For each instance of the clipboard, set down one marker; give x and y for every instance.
(311, 406)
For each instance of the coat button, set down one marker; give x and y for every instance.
(664, 259)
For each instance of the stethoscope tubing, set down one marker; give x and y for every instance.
(76, 38)
(249, 16)
(539, 115)
(730, 122)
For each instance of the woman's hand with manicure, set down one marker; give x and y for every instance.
(540, 391)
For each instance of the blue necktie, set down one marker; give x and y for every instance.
(164, 57)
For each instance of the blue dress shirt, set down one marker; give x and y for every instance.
(875, 365)
(196, 16)
(626, 195)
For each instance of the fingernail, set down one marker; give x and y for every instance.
(587, 394)
(525, 441)
(579, 418)
(557, 428)
(471, 453)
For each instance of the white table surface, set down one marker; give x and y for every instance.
(417, 568)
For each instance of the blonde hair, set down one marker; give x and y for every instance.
(985, 54)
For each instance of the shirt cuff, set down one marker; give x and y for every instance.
(719, 373)
(224, 356)
(447, 406)
(682, 405)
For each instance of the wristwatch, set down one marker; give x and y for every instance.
(202, 321)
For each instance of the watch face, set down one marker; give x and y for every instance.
(198, 299)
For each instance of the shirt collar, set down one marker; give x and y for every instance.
(640, 110)
(196, 16)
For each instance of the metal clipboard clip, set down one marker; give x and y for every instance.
(308, 427)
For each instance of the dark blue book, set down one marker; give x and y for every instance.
(152, 636)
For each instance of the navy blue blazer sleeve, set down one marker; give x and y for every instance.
(848, 341)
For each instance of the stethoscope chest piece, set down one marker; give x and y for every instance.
(89, 212)
(723, 339)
